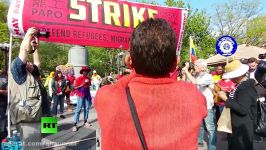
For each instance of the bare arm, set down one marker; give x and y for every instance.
(27, 44)
(189, 76)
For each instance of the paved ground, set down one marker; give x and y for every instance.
(83, 139)
(65, 134)
(222, 143)
(86, 139)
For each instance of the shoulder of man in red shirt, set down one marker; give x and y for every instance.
(194, 95)
(184, 90)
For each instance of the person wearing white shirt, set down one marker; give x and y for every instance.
(203, 80)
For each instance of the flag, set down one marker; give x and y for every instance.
(192, 51)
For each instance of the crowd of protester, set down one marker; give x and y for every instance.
(232, 86)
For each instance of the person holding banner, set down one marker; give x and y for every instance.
(168, 116)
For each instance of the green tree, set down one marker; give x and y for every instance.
(230, 18)
(52, 55)
(154, 2)
(256, 31)
(178, 3)
(3, 10)
(198, 27)
(4, 35)
(103, 60)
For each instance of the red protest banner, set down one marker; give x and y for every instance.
(101, 23)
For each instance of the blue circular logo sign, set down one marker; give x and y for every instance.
(226, 46)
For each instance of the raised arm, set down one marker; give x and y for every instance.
(29, 44)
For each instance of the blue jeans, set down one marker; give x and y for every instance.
(209, 122)
(58, 99)
(86, 105)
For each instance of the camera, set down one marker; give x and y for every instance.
(191, 66)
(43, 34)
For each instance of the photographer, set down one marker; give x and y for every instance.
(29, 97)
(203, 80)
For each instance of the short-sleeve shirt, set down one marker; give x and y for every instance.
(204, 83)
(19, 71)
(84, 91)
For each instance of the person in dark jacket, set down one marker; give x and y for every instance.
(58, 89)
(242, 103)
(3, 105)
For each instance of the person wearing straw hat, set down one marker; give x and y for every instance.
(242, 103)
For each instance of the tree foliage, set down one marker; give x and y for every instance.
(4, 36)
(154, 2)
(3, 10)
(256, 31)
(198, 27)
(103, 60)
(231, 17)
(178, 3)
(52, 55)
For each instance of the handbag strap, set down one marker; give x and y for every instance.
(136, 119)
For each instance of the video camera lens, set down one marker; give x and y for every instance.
(43, 34)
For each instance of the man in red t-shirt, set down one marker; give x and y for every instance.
(170, 112)
(82, 90)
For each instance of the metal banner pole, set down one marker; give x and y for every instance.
(8, 93)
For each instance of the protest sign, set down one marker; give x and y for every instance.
(101, 23)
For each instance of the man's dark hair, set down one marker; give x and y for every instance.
(153, 48)
(58, 72)
(252, 60)
(244, 61)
